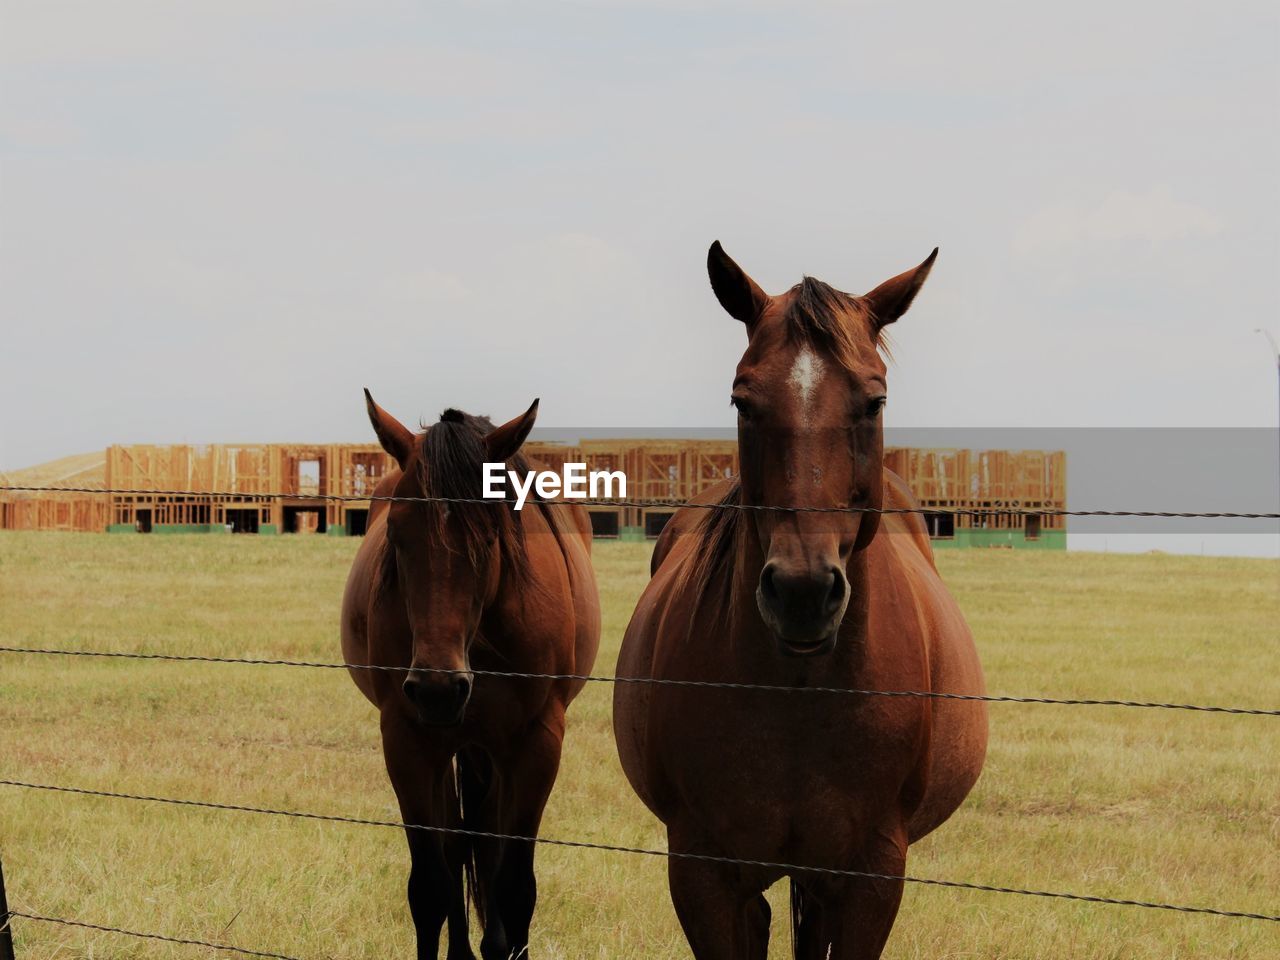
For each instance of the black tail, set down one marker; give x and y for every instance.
(475, 779)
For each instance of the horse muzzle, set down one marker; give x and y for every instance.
(440, 699)
(803, 607)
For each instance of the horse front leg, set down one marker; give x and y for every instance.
(850, 919)
(721, 906)
(524, 774)
(422, 777)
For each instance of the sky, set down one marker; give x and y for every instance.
(219, 221)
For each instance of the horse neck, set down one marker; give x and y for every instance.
(502, 614)
(497, 628)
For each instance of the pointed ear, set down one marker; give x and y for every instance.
(503, 442)
(737, 292)
(890, 300)
(395, 437)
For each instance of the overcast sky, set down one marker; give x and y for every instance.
(218, 221)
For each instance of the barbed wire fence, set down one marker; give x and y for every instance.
(8, 914)
(656, 681)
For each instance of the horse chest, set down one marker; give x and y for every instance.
(773, 775)
(766, 773)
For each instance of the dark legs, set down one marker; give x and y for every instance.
(725, 916)
(722, 910)
(520, 782)
(850, 919)
(436, 894)
(424, 785)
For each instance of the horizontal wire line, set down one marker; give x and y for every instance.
(950, 511)
(658, 681)
(151, 936)
(649, 852)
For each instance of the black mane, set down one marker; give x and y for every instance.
(449, 464)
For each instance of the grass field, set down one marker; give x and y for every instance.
(1152, 805)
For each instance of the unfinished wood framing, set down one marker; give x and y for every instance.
(667, 471)
(72, 513)
(674, 471)
(991, 481)
(242, 476)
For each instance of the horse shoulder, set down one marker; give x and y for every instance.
(957, 728)
(357, 600)
(632, 702)
(386, 487)
(909, 526)
(580, 519)
(685, 522)
(569, 529)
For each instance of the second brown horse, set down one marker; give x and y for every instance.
(441, 592)
(799, 599)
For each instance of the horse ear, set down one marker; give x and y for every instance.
(503, 442)
(891, 299)
(395, 437)
(737, 292)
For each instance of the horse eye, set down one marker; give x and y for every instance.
(875, 405)
(740, 404)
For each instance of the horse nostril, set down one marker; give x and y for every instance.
(438, 699)
(411, 690)
(835, 597)
(462, 689)
(767, 586)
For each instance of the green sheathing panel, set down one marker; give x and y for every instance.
(336, 530)
(1015, 539)
(268, 528)
(121, 528)
(632, 534)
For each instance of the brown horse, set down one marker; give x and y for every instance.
(800, 599)
(444, 589)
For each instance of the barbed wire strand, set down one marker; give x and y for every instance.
(226, 947)
(649, 852)
(246, 496)
(658, 681)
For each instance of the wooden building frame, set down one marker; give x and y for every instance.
(225, 488)
(243, 476)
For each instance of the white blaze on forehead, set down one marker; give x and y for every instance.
(806, 374)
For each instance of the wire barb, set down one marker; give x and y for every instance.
(947, 511)
(786, 868)
(658, 681)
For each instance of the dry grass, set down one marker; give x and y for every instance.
(1131, 803)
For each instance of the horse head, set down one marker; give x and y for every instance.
(809, 392)
(444, 561)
